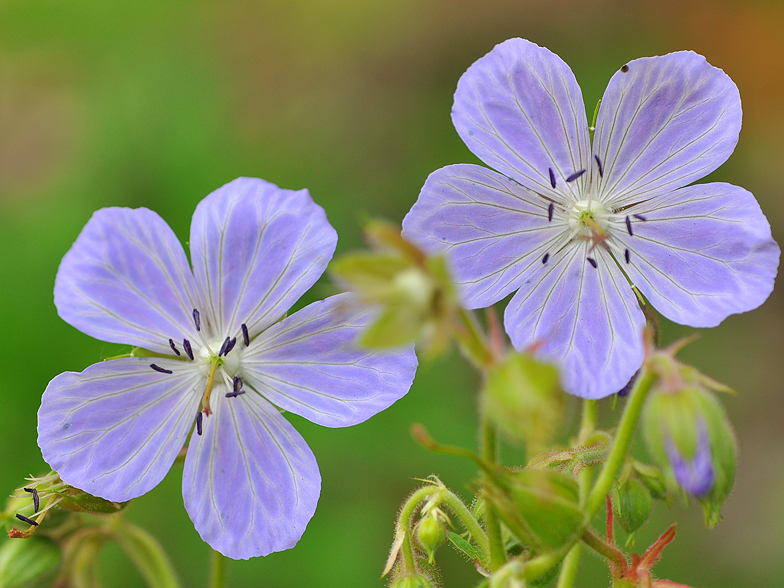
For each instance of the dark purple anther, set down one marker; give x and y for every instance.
(174, 348)
(599, 163)
(158, 368)
(237, 383)
(639, 217)
(223, 347)
(550, 210)
(545, 258)
(36, 501)
(245, 336)
(628, 387)
(552, 177)
(626, 255)
(592, 261)
(197, 319)
(230, 346)
(198, 422)
(188, 350)
(26, 520)
(629, 226)
(234, 394)
(575, 175)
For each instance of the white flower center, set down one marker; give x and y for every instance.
(589, 219)
(230, 363)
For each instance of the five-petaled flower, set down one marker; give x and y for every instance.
(223, 361)
(569, 222)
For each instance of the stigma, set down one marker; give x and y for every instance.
(589, 219)
(215, 358)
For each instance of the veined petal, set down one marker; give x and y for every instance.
(256, 249)
(520, 110)
(586, 318)
(492, 229)
(310, 364)
(115, 429)
(663, 123)
(703, 253)
(126, 280)
(250, 483)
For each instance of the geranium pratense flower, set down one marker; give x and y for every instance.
(224, 362)
(569, 223)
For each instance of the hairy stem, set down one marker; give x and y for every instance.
(490, 455)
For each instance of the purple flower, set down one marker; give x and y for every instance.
(569, 222)
(696, 475)
(223, 358)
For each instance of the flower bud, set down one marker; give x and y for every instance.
(522, 396)
(412, 581)
(540, 507)
(29, 563)
(632, 504)
(431, 534)
(691, 439)
(510, 575)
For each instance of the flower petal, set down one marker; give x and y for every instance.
(663, 123)
(309, 364)
(703, 253)
(126, 280)
(492, 229)
(520, 110)
(115, 429)
(256, 249)
(250, 483)
(586, 318)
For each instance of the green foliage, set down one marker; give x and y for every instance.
(29, 563)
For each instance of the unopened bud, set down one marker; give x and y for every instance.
(632, 503)
(29, 563)
(412, 581)
(431, 535)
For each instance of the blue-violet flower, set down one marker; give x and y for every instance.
(569, 221)
(223, 361)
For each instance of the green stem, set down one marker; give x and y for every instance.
(621, 443)
(571, 562)
(473, 342)
(146, 553)
(605, 549)
(490, 455)
(218, 570)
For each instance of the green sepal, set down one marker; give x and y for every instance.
(472, 552)
(77, 500)
(632, 504)
(29, 563)
(522, 396)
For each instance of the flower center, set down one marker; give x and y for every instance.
(589, 219)
(230, 363)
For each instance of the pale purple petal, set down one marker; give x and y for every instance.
(256, 249)
(520, 110)
(126, 280)
(664, 123)
(703, 253)
(695, 476)
(585, 318)
(115, 429)
(250, 483)
(491, 229)
(310, 364)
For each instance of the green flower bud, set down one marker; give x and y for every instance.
(540, 507)
(522, 396)
(29, 563)
(632, 503)
(412, 581)
(431, 535)
(690, 438)
(510, 575)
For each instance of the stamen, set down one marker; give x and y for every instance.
(234, 394)
(552, 177)
(639, 217)
(550, 210)
(197, 319)
(592, 261)
(34, 492)
(26, 520)
(174, 348)
(198, 422)
(223, 347)
(575, 175)
(230, 346)
(188, 349)
(626, 255)
(237, 383)
(245, 336)
(599, 163)
(629, 226)
(158, 368)
(545, 258)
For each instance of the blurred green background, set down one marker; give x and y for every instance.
(157, 103)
